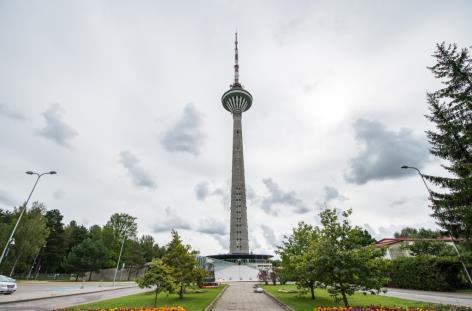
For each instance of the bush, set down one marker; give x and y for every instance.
(426, 273)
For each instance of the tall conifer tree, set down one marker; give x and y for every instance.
(451, 112)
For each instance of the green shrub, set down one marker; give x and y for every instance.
(426, 273)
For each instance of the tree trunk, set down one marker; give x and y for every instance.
(90, 276)
(346, 303)
(14, 265)
(181, 291)
(76, 277)
(312, 289)
(155, 297)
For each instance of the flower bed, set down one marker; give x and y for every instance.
(370, 308)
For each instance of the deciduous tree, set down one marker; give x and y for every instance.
(181, 259)
(159, 275)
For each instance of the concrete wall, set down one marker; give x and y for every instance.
(122, 275)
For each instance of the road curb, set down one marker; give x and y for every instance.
(59, 296)
(278, 301)
(213, 303)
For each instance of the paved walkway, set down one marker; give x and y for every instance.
(450, 298)
(240, 296)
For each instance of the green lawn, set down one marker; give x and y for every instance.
(305, 303)
(191, 302)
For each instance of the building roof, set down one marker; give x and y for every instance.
(391, 241)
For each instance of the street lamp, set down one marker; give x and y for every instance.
(10, 239)
(452, 240)
(119, 258)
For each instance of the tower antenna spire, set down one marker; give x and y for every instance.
(236, 64)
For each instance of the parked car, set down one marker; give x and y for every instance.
(259, 290)
(7, 285)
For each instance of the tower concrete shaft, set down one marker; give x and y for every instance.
(239, 242)
(237, 100)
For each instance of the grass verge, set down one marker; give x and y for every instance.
(191, 301)
(305, 303)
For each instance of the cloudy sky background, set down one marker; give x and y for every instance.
(122, 98)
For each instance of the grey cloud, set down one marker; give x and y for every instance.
(279, 196)
(224, 194)
(7, 112)
(5, 199)
(212, 226)
(384, 152)
(185, 135)
(270, 236)
(331, 193)
(56, 129)
(171, 221)
(137, 173)
(59, 194)
(398, 202)
(202, 190)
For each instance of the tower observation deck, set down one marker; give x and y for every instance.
(237, 100)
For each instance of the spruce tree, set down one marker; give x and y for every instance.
(451, 112)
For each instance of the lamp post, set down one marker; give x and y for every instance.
(119, 258)
(10, 239)
(452, 239)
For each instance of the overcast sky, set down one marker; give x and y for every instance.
(122, 98)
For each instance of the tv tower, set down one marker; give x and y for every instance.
(237, 100)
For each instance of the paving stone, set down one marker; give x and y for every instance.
(241, 296)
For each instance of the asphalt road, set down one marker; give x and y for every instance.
(37, 290)
(453, 298)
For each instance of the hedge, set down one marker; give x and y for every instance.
(426, 273)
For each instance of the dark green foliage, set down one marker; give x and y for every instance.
(74, 235)
(451, 112)
(150, 248)
(336, 254)
(90, 255)
(181, 259)
(133, 256)
(55, 249)
(430, 247)
(340, 259)
(159, 275)
(420, 233)
(294, 246)
(30, 236)
(426, 273)
(43, 245)
(123, 225)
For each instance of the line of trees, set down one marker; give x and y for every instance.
(44, 244)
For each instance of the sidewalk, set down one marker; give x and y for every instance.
(240, 296)
(447, 298)
(32, 290)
